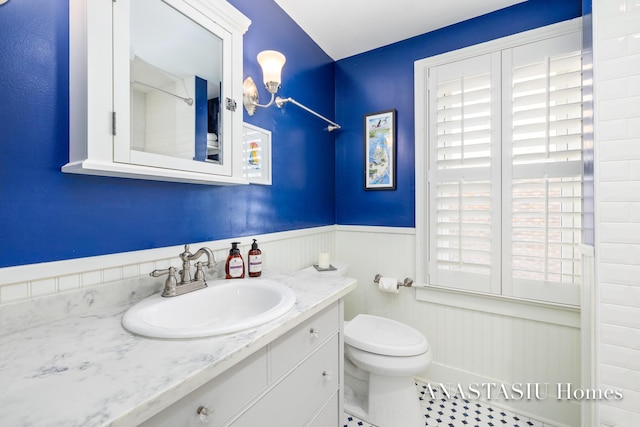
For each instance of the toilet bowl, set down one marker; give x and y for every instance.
(381, 358)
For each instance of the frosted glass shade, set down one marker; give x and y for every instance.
(271, 62)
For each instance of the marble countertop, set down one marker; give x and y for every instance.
(86, 370)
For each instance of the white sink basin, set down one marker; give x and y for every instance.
(225, 306)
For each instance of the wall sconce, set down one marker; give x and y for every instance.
(271, 63)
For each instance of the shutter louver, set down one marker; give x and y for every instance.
(464, 226)
(546, 175)
(461, 158)
(503, 144)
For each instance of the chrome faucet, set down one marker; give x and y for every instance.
(186, 284)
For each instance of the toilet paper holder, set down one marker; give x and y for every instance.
(407, 282)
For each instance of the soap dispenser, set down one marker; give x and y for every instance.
(234, 268)
(255, 260)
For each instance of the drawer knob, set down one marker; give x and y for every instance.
(326, 375)
(314, 332)
(204, 413)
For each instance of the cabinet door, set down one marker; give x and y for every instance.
(164, 83)
(301, 394)
(329, 415)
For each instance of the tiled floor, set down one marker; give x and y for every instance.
(456, 412)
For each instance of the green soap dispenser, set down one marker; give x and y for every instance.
(234, 268)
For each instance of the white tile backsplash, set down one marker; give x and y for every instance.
(618, 67)
(615, 171)
(621, 107)
(43, 287)
(617, 149)
(633, 129)
(634, 212)
(621, 315)
(614, 191)
(90, 278)
(112, 274)
(614, 47)
(623, 274)
(66, 283)
(129, 271)
(634, 172)
(624, 295)
(294, 249)
(626, 378)
(613, 130)
(14, 292)
(615, 212)
(622, 336)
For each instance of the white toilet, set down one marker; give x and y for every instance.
(381, 358)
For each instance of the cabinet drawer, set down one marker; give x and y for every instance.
(223, 396)
(292, 347)
(301, 393)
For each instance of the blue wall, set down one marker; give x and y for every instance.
(46, 215)
(383, 79)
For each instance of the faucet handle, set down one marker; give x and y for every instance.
(157, 273)
(171, 283)
(199, 275)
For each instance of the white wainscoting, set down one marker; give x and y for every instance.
(473, 340)
(469, 343)
(292, 250)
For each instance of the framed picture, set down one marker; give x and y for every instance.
(256, 154)
(380, 150)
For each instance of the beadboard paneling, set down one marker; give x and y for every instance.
(466, 342)
(377, 250)
(292, 250)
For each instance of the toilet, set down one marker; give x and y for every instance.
(381, 358)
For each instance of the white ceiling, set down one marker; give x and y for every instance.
(343, 28)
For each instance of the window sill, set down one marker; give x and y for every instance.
(557, 314)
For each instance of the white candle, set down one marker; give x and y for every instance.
(324, 260)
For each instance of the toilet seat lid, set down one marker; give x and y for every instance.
(384, 336)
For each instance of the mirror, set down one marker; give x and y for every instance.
(145, 82)
(175, 84)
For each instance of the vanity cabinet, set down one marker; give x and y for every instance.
(155, 90)
(294, 381)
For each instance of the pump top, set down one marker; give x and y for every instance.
(234, 248)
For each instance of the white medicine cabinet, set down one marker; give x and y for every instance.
(155, 90)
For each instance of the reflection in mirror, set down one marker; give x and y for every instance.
(256, 154)
(176, 73)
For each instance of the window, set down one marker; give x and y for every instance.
(500, 196)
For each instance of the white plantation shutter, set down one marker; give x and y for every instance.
(543, 169)
(505, 171)
(464, 165)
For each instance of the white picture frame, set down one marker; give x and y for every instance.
(256, 154)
